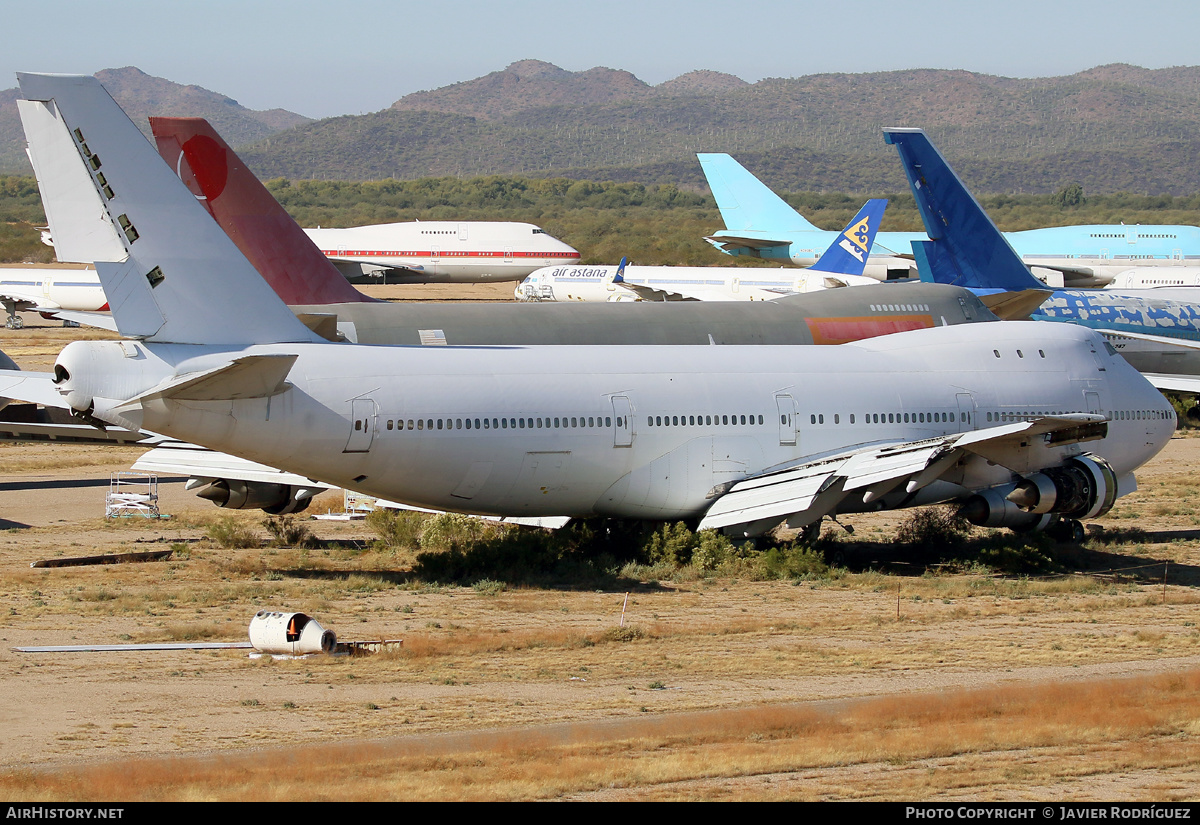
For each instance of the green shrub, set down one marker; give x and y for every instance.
(396, 529)
(287, 532)
(232, 534)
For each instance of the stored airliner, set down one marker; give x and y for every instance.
(760, 224)
(659, 432)
(840, 265)
(1160, 337)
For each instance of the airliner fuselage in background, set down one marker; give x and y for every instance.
(442, 251)
(48, 288)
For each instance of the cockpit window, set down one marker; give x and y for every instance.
(1110, 348)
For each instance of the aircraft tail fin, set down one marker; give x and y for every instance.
(79, 226)
(745, 201)
(847, 255)
(182, 280)
(965, 247)
(279, 249)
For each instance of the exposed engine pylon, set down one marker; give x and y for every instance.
(274, 499)
(1083, 487)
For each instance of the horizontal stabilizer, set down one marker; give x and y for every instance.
(251, 376)
(31, 388)
(1014, 306)
(736, 241)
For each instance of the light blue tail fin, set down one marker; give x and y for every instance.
(965, 248)
(745, 201)
(847, 255)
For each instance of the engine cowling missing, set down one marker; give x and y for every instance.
(1083, 487)
(274, 499)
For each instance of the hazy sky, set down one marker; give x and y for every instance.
(353, 56)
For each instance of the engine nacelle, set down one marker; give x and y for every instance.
(991, 508)
(274, 499)
(1084, 487)
(289, 634)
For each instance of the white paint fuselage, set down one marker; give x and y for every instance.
(445, 251)
(53, 288)
(642, 432)
(702, 283)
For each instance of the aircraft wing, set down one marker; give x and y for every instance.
(73, 433)
(205, 466)
(1164, 381)
(805, 493)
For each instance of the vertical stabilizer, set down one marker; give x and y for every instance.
(745, 201)
(264, 232)
(847, 255)
(183, 280)
(79, 224)
(966, 248)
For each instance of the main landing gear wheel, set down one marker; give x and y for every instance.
(1069, 531)
(14, 322)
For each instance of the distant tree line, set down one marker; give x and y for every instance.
(650, 224)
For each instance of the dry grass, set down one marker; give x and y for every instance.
(928, 747)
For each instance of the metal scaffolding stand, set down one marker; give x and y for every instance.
(132, 494)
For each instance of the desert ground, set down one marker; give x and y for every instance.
(895, 681)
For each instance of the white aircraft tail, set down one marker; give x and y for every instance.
(181, 279)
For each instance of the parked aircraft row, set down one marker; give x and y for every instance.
(741, 438)
(1159, 336)
(760, 224)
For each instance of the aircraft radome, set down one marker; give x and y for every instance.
(1018, 419)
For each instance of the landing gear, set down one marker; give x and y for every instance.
(809, 533)
(71, 324)
(13, 321)
(1068, 531)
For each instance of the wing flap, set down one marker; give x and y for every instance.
(803, 494)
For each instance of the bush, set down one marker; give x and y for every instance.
(287, 532)
(397, 529)
(230, 533)
(936, 529)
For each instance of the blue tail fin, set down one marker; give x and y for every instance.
(745, 201)
(847, 255)
(966, 248)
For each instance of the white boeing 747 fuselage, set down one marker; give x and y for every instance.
(443, 251)
(652, 433)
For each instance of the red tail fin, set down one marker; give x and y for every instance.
(254, 220)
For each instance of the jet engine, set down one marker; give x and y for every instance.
(1083, 487)
(274, 499)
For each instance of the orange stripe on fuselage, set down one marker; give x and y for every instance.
(843, 330)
